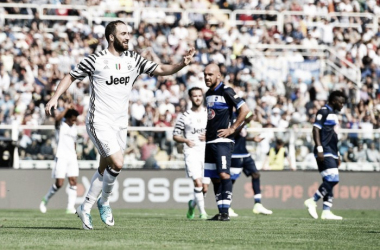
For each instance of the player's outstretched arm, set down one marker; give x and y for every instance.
(164, 70)
(62, 87)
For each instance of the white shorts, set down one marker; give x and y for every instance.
(65, 166)
(106, 138)
(194, 165)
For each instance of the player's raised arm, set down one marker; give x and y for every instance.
(164, 70)
(62, 87)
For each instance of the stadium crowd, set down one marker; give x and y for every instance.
(34, 60)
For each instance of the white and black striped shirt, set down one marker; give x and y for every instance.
(191, 125)
(111, 79)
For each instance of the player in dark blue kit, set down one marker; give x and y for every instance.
(327, 155)
(220, 131)
(242, 161)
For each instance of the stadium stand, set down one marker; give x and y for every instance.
(282, 57)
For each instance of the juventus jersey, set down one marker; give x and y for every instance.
(220, 103)
(326, 120)
(67, 139)
(192, 125)
(111, 81)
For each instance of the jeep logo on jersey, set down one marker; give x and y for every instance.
(116, 81)
(198, 131)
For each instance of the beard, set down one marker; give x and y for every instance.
(196, 105)
(118, 45)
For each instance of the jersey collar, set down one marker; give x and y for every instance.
(220, 84)
(330, 108)
(121, 55)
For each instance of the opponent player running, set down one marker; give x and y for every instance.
(112, 73)
(327, 155)
(190, 129)
(242, 161)
(66, 163)
(219, 136)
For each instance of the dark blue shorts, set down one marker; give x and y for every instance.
(328, 162)
(245, 164)
(218, 158)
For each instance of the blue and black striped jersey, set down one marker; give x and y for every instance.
(326, 120)
(220, 104)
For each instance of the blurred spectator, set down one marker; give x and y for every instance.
(148, 151)
(35, 54)
(349, 155)
(372, 153)
(360, 153)
(46, 150)
(137, 113)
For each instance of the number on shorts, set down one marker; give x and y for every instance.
(224, 162)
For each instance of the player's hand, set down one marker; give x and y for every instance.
(339, 161)
(320, 156)
(188, 56)
(202, 137)
(226, 132)
(51, 104)
(258, 138)
(190, 143)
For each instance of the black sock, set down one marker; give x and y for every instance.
(256, 189)
(226, 195)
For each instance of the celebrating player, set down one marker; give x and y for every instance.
(327, 155)
(190, 129)
(112, 73)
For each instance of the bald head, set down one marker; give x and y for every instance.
(212, 75)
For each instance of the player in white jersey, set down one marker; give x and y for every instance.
(66, 163)
(190, 130)
(112, 73)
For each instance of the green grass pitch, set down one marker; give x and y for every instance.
(169, 229)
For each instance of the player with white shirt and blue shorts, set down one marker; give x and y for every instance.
(112, 73)
(66, 163)
(190, 130)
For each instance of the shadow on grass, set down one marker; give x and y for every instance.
(373, 232)
(43, 228)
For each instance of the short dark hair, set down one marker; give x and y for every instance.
(335, 94)
(111, 29)
(71, 112)
(279, 142)
(193, 89)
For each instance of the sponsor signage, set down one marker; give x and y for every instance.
(170, 189)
